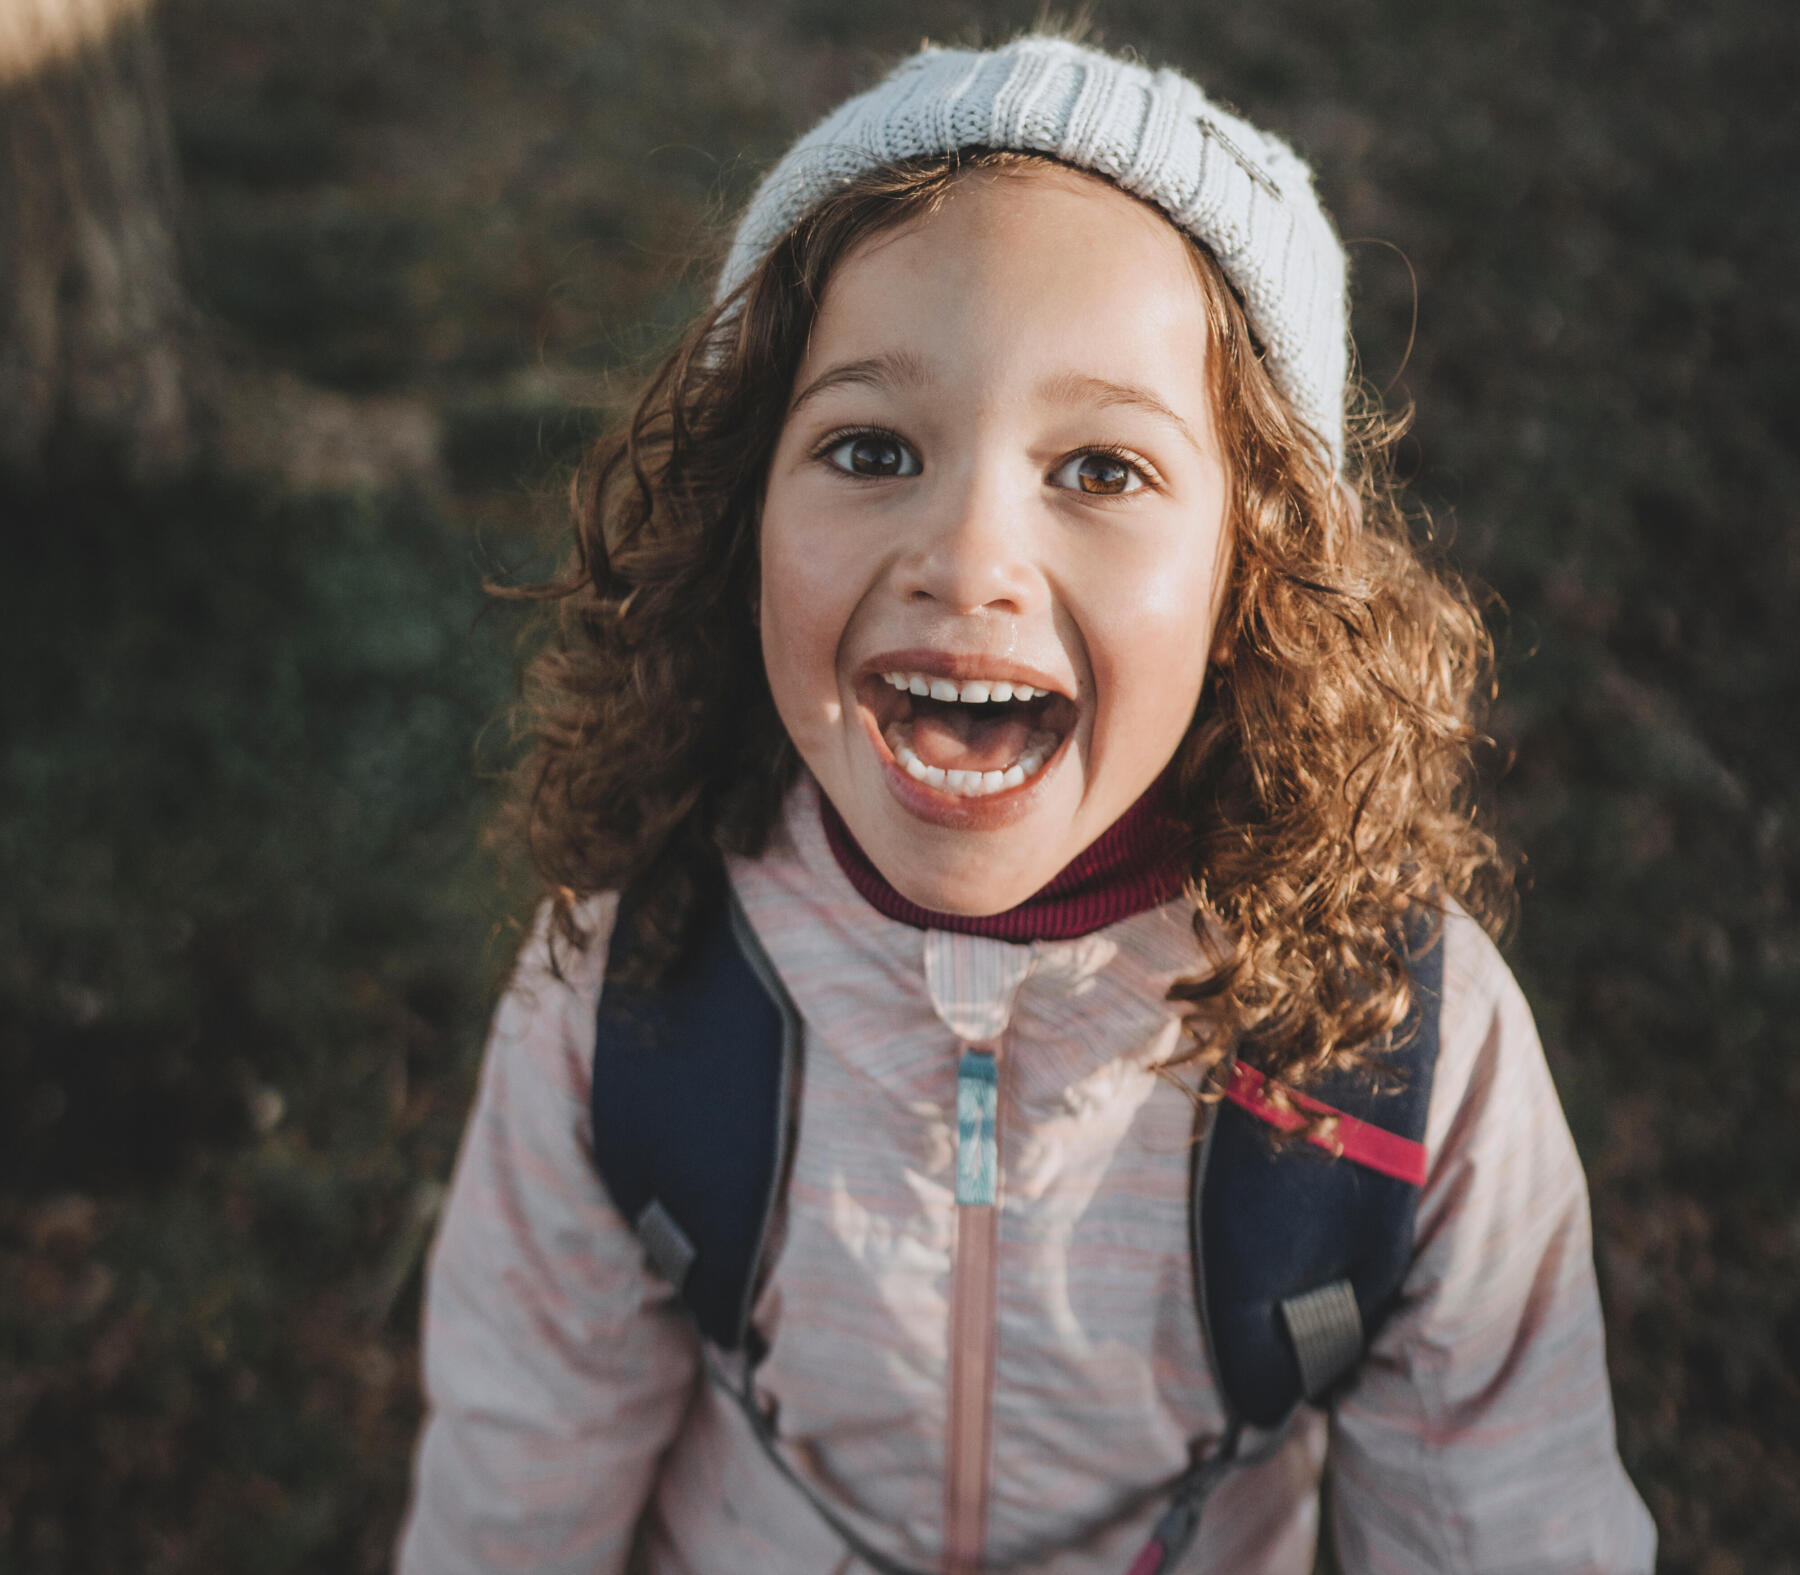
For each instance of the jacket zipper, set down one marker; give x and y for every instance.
(972, 1312)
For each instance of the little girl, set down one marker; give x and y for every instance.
(986, 608)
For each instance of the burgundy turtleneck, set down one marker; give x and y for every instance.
(1133, 866)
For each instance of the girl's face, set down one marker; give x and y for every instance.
(993, 540)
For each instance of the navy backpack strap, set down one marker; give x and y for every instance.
(692, 1110)
(1299, 1255)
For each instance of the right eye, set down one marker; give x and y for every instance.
(875, 454)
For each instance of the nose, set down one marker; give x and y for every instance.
(971, 554)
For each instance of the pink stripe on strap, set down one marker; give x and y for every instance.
(1355, 1140)
(1150, 1560)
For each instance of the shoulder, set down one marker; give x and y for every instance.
(550, 958)
(1476, 979)
(545, 1020)
(1495, 1118)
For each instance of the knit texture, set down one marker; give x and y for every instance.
(1242, 192)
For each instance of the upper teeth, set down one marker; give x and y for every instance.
(973, 691)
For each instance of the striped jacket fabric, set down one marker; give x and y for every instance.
(570, 1411)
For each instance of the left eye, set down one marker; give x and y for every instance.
(1099, 475)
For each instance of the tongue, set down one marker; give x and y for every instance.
(959, 741)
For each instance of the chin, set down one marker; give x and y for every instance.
(955, 897)
(968, 888)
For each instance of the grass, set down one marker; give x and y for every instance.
(247, 943)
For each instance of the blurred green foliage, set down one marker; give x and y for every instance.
(246, 945)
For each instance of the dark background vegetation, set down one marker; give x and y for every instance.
(247, 945)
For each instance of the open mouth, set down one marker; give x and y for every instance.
(968, 737)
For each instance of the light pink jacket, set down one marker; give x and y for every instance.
(567, 1391)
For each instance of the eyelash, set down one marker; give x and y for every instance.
(1145, 471)
(1141, 467)
(849, 434)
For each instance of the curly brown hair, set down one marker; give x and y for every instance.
(1327, 777)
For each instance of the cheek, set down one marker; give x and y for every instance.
(1153, 635)
(1150, 676)
(803, 617)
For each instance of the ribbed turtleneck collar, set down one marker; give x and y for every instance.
(1133, 866)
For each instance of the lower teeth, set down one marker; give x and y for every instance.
(978, 784)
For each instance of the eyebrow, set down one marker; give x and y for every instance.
(903, 369)
(1071, 388)
(891, 369)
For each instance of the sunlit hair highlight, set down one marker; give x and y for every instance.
(1327, 776)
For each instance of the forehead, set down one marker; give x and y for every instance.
(1034, 269)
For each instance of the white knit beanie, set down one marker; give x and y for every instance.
(1242, 192)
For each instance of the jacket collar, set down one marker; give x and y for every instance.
(900, 1002)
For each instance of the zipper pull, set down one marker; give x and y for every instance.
(977, 1117)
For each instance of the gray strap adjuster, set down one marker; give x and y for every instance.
(1327, 1332)
(671, 1253)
